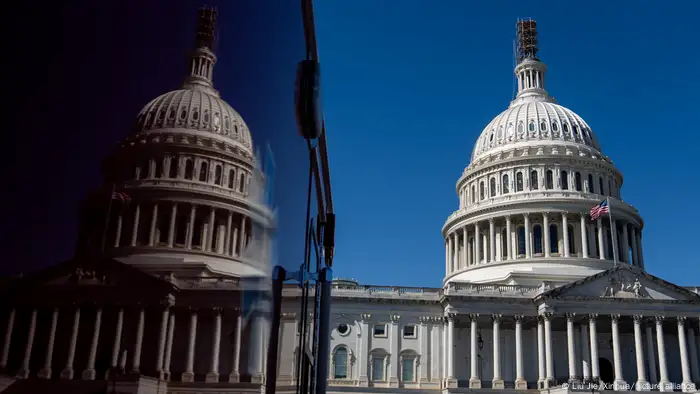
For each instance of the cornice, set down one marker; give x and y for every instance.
(173, 138)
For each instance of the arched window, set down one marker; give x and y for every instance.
(520, 128)
(189, 169)
(534, 184)
(572, 241)
(537, 238)
(491, 137)
(203, 172)
(340, 363)
(543, 126)
(554, 126)
(159, 167)
(408, 366)
(521, 240)
(504, 187)
(531, 127)
(231, 179)
(500, 132)
(473, 194)
(590, 183)
(492, 183)
(564, 180)
(174, 164)
(577, 181)
(217, 175)
(378, 364)
(600, 183)
(566, 127)
(241, 183)
(553, 238)
(481, 191)
(549, 180)
(519, 182)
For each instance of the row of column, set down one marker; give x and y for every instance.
(231, 240)
(690, 367)
(118, 360)
(465, 247)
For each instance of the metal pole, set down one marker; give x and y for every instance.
(278, 276)
(324, 334)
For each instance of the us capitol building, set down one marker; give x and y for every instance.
(532, 298)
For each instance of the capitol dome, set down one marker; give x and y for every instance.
(524, 199)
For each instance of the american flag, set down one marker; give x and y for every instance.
(121, 196)
(600, 209)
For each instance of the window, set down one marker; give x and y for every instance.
(481, 190)
(409, 331)
(407, 368)
(377, 368)
(203, 172)
(340, 363)
(543, 126)
(231, 179)
(241, 183)
(537, 235)
(500, 133)
(519, 182)
(549, 180)
(564, 180)
(159, 167)
(577, 181)
(566, 127)
(554, 126)
(380, 330)
(572, 241)
(172, 171)
(189, 169)
(217, 175)
(531, 127)
(505, 188)
(343, 329)
(520, 128)
(534, 184)
(473, 193)
(521, 240)
(493, 187)
(553, 239)
(600, 183)
(590, 183)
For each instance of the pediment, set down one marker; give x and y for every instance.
(623, 282)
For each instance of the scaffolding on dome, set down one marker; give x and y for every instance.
(206, 27)
(527, 39)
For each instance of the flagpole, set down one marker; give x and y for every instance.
(612, 232)
(109, 212)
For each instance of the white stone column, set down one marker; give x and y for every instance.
(171, 227)
(169, 345)
(595, 370)
(541, 371)
(692, 344)
(635, 251)
(492, 240)
(235, 376)
(46, 372)
(640, 250)
(213, 375)
(211, 230)
(89, 372)
(67, 372)
(117, 340)
(642, 384)
(188, 375)
(455, 251)
(688, 385)
(450, 248)
(509, 239)
(423, 347)
(545, 234)
(601, 240)
(584, 237)
(625, 255)
(528, 231)
(497, 382)
(664, 384)
(138, 344)
(465, 242)
(118, 233)
(477, 244)
(548, 347)
(227, 239)
(585, 354)
(243, 241)
(520, 382)
(571, 348)
(565, 234)
(135, 228)
(651, 356)
(474, 378)
(614, 236)
(190, 226)
(8, 339)
(154, 221)
(619, 382)
(447, 257)
(24, 370)
(451, 381)
(162, 338)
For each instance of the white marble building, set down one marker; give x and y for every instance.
(531, 299)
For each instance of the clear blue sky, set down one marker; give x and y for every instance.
(409, 85)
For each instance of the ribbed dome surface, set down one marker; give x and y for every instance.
(534, 123)
(195, 110)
